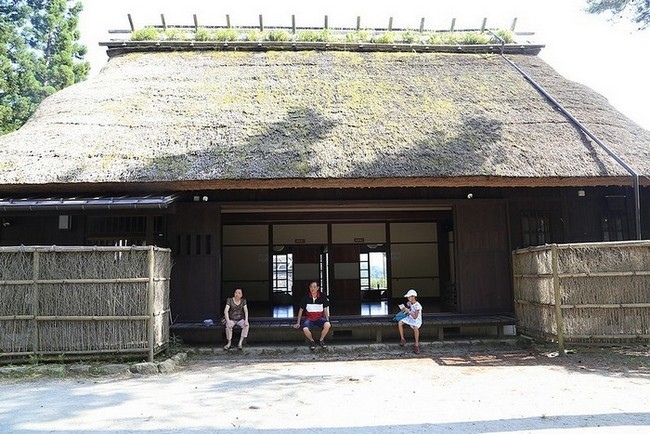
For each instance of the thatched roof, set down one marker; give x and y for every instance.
(230, 119)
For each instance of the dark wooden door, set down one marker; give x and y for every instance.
(345, 282)
(484, 283)
(195, 279)
(306, 269)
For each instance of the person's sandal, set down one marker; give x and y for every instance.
(416, 350)
(226, 347)
(312, 345)
(322, 344)
(402, 342)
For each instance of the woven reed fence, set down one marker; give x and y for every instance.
(590, 293)
(68, 301)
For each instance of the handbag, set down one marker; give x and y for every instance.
(400, 316)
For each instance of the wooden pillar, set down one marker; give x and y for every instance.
(557, 300)
(150, 301)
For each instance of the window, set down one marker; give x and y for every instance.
(614, 227)
(373, 270)
(283, 272)
(535, 230)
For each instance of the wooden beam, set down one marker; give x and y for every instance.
(164, 24)
(196, 23)
(390, 24)
(131, 22)
(293, 24)
(358, 23)
(228, 20)
(483, 25)
(513, 25)
(421, 24)
(326, 26)
(453, 24)
(261, 23)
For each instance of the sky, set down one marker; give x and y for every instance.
(612, 58)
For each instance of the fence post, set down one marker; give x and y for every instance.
(35, 295)
(557, 301)
(150, 302)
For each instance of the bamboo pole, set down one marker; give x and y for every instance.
(80, 281)
(16, 317)
(605, 306)
(35, 297)
(92, 318)
(150, 301)
(558, 301)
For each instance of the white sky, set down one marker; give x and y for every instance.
(612, 58)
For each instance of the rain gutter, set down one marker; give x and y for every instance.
(586, 131)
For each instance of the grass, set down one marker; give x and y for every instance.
(325, 35)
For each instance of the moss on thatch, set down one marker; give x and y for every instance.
(214, 116)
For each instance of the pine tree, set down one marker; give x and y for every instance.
(637, 10)
(39, 54)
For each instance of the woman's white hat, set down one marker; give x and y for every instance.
(411, 292)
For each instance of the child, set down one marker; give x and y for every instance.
(413, 319)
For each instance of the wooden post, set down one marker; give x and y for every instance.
(326, 24)
(150, 302)
(483, 25)
(164, 24)
(422, 25)
(453, 24)
(228, 20)
(390, 24)
(261, 23)
(513, 25)
(293, 24)
(196, 23)
(358, 23)
(131, 22)
(35, 296)
(557, 301)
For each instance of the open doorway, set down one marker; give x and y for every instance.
(373, 267)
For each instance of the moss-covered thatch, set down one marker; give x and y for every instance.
(215, 118)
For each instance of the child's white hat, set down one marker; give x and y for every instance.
(411, 292)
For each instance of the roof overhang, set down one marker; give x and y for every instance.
(85, 203)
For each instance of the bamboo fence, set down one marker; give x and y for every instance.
(589, 292)
(67, 301)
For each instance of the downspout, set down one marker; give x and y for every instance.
(585, 130)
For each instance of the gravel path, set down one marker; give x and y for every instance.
(469, 390)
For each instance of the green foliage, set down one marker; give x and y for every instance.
(358, 36)
(254, 35)
(506, 35)
(409, 37)
(176, 35)
(384, 38)
(638, 11)
(474, 38)
(324, 35)
(39, 54)
(225, 35)
(279, 35)
(202, 34)
(145, 34)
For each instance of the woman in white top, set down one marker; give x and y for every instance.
(414, 319)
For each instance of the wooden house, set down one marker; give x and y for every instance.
(372, 169)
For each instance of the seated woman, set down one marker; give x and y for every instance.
(236, 313)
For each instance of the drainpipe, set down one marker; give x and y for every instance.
(585, 130)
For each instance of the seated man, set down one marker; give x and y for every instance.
(316, 307)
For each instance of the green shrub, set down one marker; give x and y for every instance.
(202, 34)
(506, 35)
(324, 35)
(358, 36)
(225, 35)
(176, 35)
(279, 35)
(474, 38)
(146, 34)
(254, 35)
(409, 37)
(384, 38)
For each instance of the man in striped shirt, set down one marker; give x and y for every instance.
(316, 308)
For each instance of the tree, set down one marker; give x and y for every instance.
(39, 54)
(638, 10)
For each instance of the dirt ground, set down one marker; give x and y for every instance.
(368, 389)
